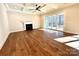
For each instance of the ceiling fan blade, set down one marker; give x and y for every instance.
(43, 6)
(38, 7)
(39, 10)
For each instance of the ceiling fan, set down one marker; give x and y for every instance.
(37, 7)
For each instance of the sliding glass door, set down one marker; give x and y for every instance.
(60, 24)
(47, 22)
(54, 22)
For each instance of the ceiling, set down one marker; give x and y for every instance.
(30, 8)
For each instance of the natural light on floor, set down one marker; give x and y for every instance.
(73, 41)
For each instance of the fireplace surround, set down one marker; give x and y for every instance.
(28, 25)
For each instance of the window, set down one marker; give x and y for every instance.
(54, 22)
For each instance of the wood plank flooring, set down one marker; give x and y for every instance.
(36, 43)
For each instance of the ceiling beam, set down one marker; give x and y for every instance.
(7, 7)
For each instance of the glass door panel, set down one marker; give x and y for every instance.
(47, 22)
(54, 22)
(60, 23)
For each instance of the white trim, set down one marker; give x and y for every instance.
(27, 22)
(3, 41)
(6, 6)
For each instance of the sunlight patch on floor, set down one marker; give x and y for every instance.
(65, 39)
(74, 44)
(50, 31)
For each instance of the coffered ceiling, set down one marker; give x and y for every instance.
(35, 8)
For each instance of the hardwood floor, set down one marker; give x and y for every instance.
(36, 43)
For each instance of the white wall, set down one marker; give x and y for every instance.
(16, 19)
(12, 22)
(4, 28)
(72, 19)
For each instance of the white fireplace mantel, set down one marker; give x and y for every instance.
(26, 22)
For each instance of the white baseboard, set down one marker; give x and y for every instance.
(20, 30)
(4, 40)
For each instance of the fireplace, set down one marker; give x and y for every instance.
(29, 27)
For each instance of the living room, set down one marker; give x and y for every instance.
(25, 29)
